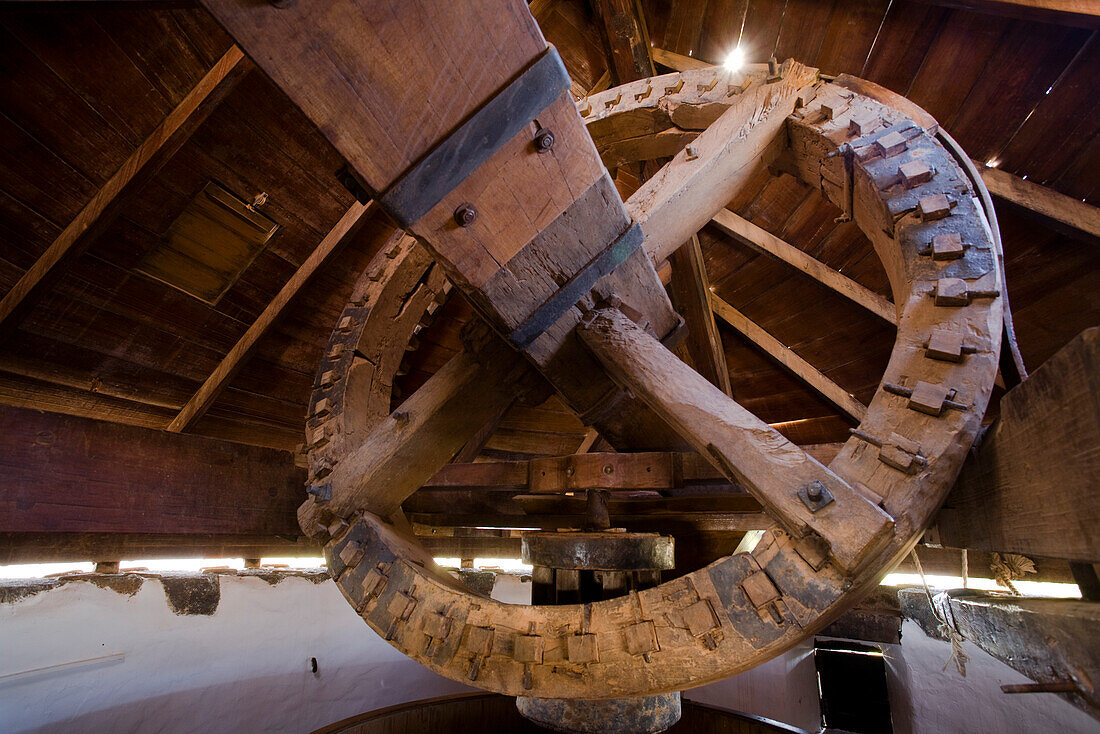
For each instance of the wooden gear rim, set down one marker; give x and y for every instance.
(743, 609)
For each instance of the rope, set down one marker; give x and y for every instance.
(1009, 567)
(941, 608)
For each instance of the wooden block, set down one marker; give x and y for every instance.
(336, 350)
(899, 452)
(374, 582)
(479, 640)
(700, 617)
(328, 378)
(934, 207)
(582, 649)
(863, 124)
(401, 606)
(928, 398)
(352, 553)
(345, 324)
(948, 246)
(945, 344)
(914, 173)
(759, 589)
(891, 144)
(437, 625)
(321, 408)
(641, 638)
(528, 649)
(952, 292)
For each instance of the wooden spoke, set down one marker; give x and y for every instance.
(798, 491)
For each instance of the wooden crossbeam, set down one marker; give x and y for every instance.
(783, 354)
(232, 361)
(760, 239)
(1083, 13)
(1041, 200)
(142, 164)
(690, 290)
(677, 62)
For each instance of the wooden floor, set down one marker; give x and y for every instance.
(489, 713)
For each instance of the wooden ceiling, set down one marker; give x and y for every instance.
(84, 86)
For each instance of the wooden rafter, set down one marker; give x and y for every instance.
(232, 361)
(627, 38)
(142, 164)
(1041, 200)
(690, 290)
(760, 239)
(677, 62)
(783, 354)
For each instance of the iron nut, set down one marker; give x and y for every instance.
(465, 215)
(815, 496)
(544, 140)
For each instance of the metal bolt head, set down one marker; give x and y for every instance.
(544, 140)
(814, 492)
(465, 215)
(608, 469)
(815, 496)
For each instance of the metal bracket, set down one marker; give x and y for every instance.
(454, 158)
(567, 296)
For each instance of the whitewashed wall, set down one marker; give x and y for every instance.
(247, 668)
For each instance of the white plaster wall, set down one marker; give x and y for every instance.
(925, 699)
(244, 669)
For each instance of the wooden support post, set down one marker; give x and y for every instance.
(690, 289)
(142, 164)
(760, 239)
(797, 491)
(802, 369)
(232, 361)
(1032, 486)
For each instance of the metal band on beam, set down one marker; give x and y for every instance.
(438, 173)
(567, 296)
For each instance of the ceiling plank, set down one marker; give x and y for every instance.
(1041, 200)
(783, 354)
(747, 232)
(220, 377)
(690, 290)
(143, 163)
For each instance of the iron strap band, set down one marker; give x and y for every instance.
(462, 152)
(567, 296)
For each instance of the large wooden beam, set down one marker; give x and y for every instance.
(690, 289)
(1048, 640)
(64, 474)
(787, 357)
(232, 361)
(677, 62)
(760, 239)
(142, 164)
(1041, 200)
(1083, 13)
(1033, 484)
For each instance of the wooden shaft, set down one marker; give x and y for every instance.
(745, 448)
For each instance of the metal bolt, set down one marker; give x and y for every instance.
(465, 215)
(814, 492)
(608, 469)
(568, 471)
(544, 140)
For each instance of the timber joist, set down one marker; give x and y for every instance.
(834, 532)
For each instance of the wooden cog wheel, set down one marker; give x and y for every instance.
(836, 529)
